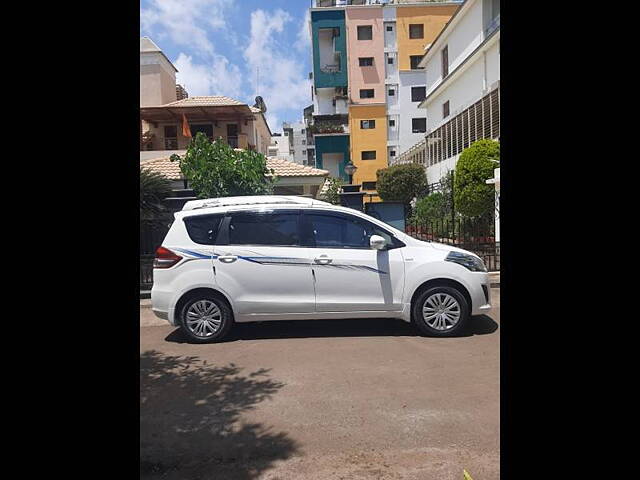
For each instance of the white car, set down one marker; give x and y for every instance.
(244, 259)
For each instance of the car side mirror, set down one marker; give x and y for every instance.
(377, 242)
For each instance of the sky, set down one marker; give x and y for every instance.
(219, 46)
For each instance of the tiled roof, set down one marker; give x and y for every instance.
(210, 101)
(282, 168)
(163, 166)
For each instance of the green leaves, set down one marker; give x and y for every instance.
(332, 195)
(401, 183)
(473, 197)
(214, 169)
(154, 188)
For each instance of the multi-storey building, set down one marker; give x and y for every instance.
(462, 99)
(296, 133)
(366, 80)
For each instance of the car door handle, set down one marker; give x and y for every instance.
(322, 260)
(227, 258)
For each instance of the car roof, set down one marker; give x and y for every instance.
(250, 200)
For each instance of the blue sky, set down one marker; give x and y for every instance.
(218, 45)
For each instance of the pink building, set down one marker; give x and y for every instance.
(365, 44)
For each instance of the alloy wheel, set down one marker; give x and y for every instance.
(441, 311)
(204, 318)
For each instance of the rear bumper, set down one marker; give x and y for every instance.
(160, 304)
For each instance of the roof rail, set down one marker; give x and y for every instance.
(250, 200)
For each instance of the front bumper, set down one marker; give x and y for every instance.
(480, 292)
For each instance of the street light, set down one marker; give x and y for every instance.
(350, 169)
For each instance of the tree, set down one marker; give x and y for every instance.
(401, 183)
(473, 196)
(214, 169)
(332, 194)
(154, 188)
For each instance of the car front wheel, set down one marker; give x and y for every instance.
(440, 311)
(205, 319)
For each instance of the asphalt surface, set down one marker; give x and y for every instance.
(340, 399)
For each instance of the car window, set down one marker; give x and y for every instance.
(203, 229)
(341, 231)
(257, 228)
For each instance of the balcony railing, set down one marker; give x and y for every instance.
(330, 68)
(170, 143)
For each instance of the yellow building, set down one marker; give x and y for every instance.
(433, 18)
(368, 131)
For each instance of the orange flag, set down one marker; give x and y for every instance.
(186, 131)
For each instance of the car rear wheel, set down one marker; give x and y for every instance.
(205, 319)
(440, 311)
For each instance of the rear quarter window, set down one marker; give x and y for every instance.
(203, 229)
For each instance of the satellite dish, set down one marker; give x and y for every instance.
(260, 104)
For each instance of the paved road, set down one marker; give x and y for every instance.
(342, 399)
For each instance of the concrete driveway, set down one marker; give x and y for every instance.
(340, 399)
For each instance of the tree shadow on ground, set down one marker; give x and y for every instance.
(367, 327)
(190, 425)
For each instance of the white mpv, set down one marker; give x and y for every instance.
(245, 259)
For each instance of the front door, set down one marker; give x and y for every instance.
(350, 276)
(260, 264)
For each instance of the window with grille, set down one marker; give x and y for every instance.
(366, 61)
(365, 32)
(392, 123)
(390, 60)
(445, 109)
(418, 125)
(368, 155)
(392, 92)
(367, 124)
(415, 60)
(416, 30)
(445, 61)
(418, 93)
(368, 185)
(366, 93)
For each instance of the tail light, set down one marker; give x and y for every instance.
(165, 258)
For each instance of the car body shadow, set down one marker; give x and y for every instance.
(367, 327)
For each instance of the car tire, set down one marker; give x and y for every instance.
(443, 305)
(205, 319)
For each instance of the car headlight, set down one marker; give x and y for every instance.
(471, 262)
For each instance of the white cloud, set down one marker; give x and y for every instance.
(185, 22)
(304, 36)
(215, 77)
(283, 81)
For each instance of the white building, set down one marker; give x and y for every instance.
(296, 133)
(279, 147)
(462, 98)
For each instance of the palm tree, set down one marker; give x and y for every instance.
(154, 188)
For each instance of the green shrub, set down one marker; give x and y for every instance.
(401, 183)
(214, 169)
(332, 195)
(154, 188)
(473, 196)
(430, 208)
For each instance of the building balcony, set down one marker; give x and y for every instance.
(151, 142)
